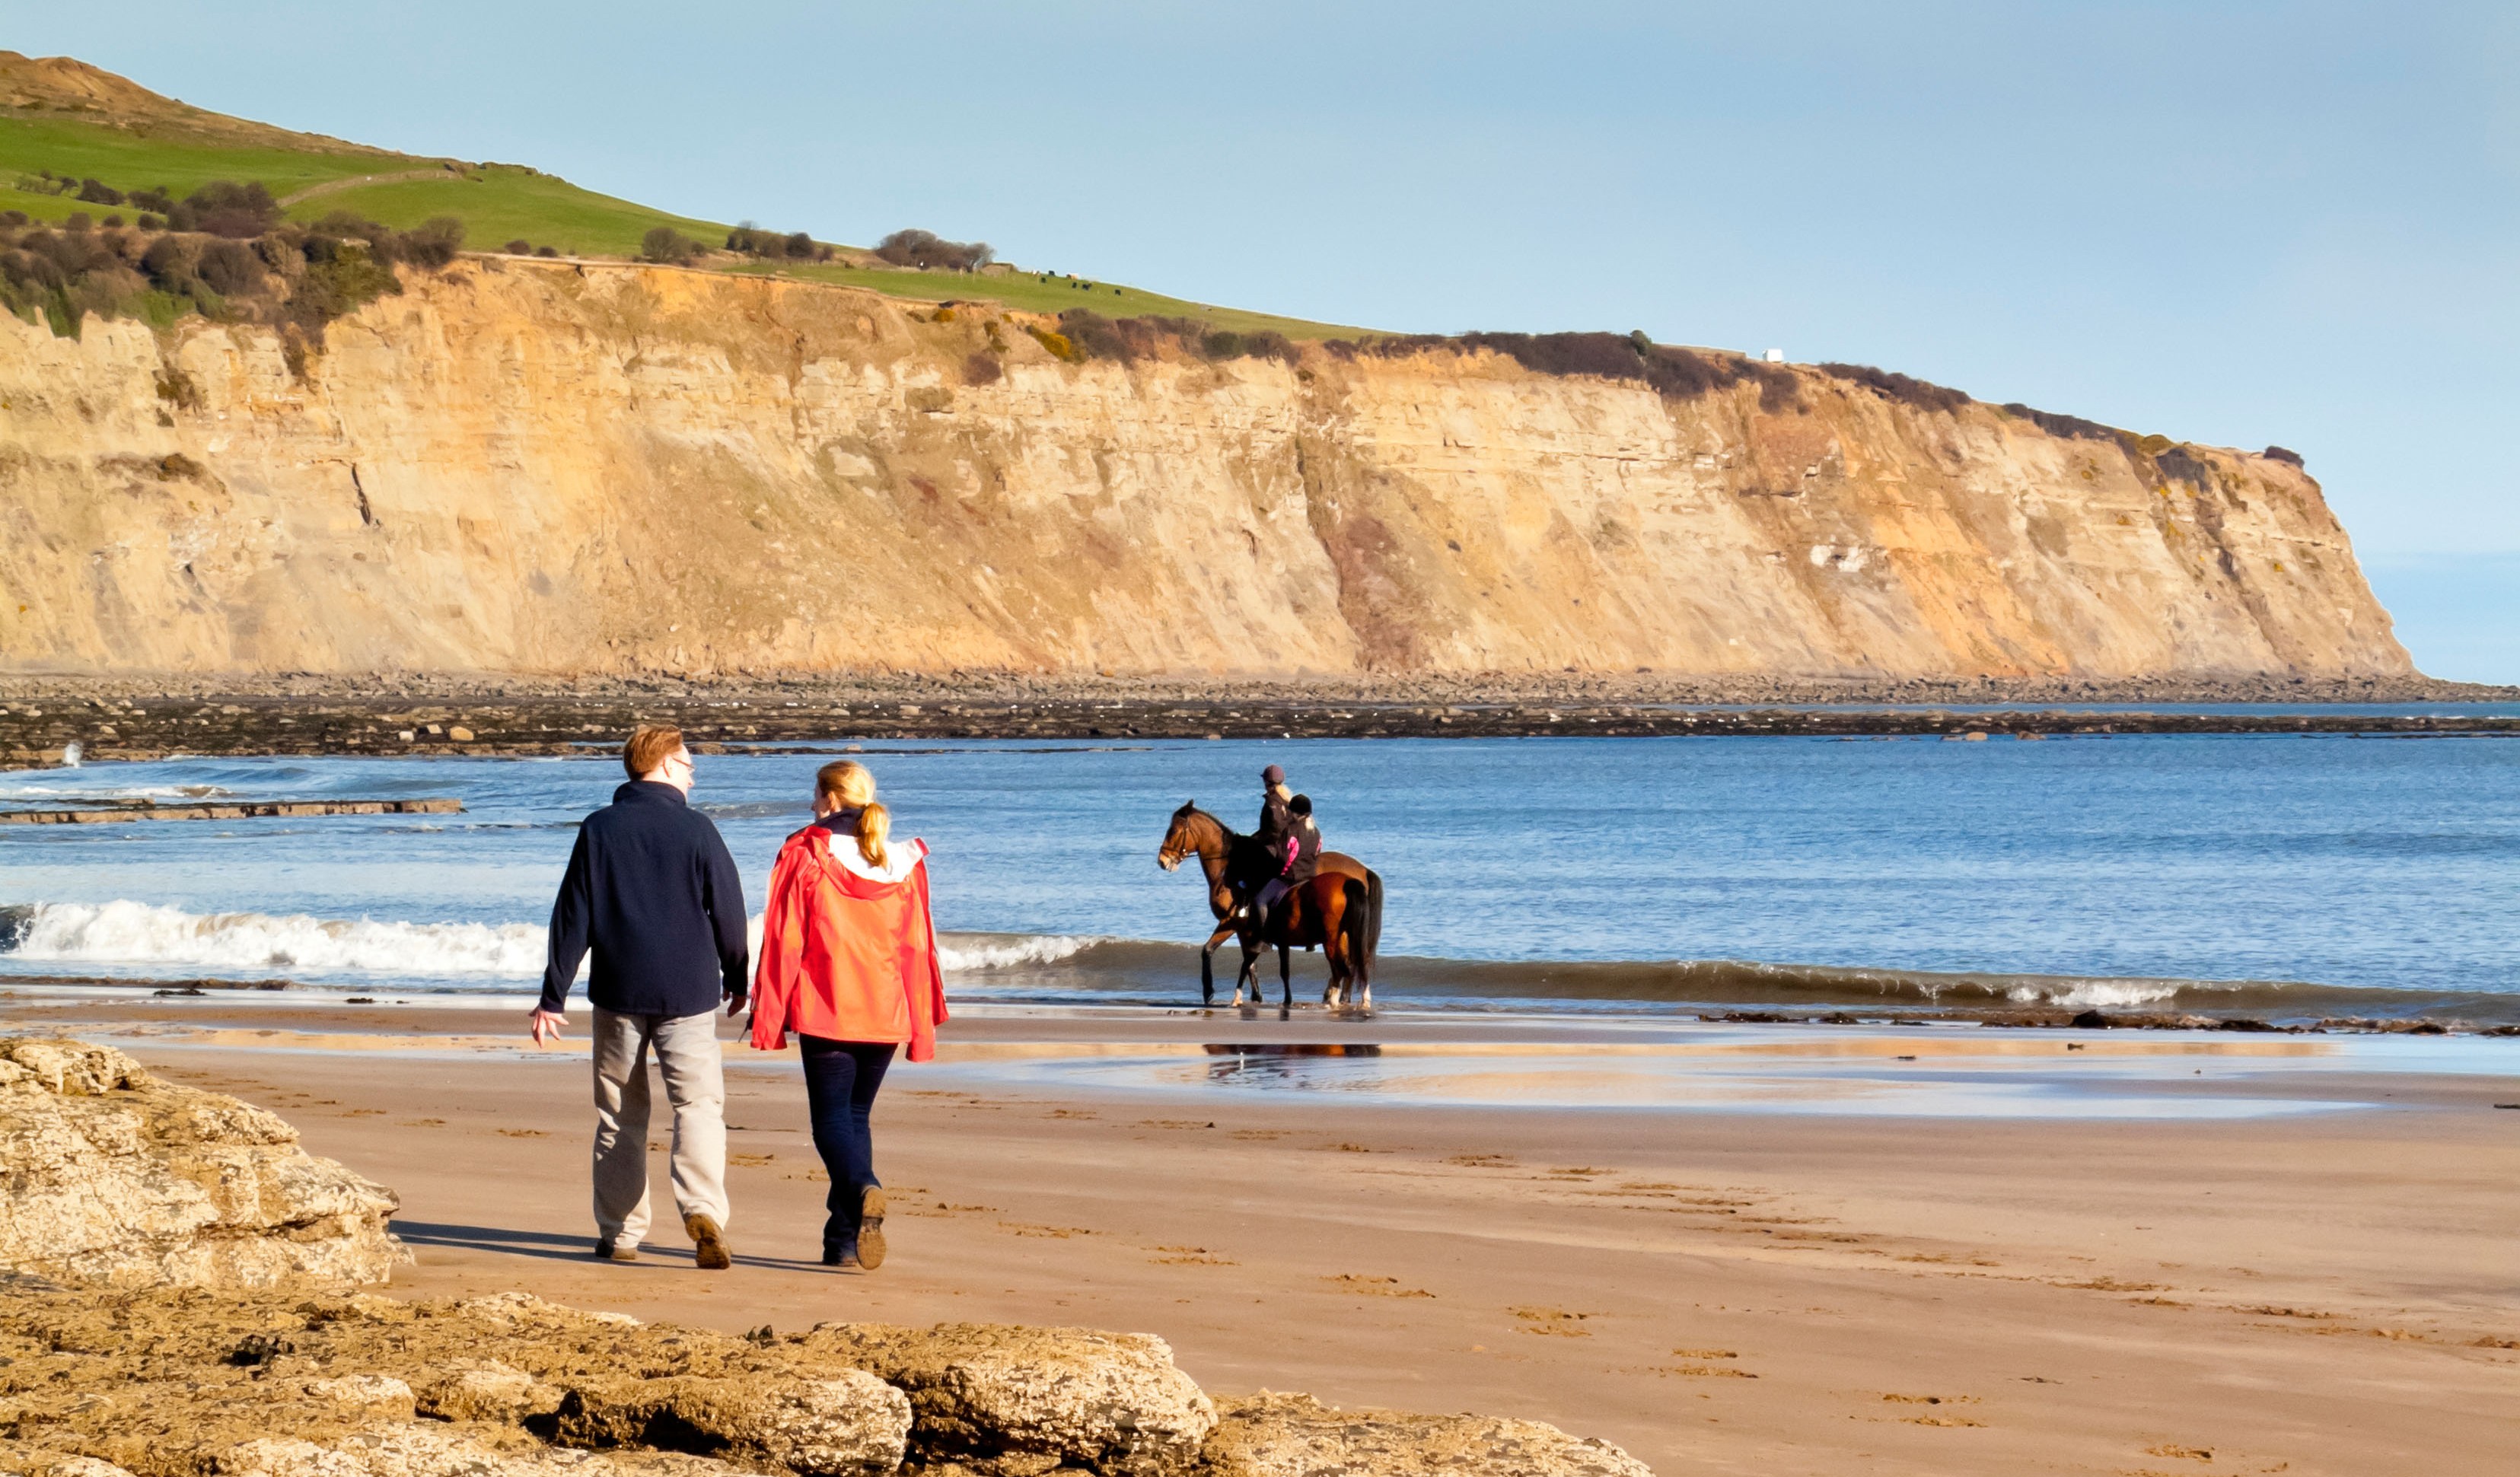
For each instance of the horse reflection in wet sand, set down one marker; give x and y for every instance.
(1339, 911)
(1245, 1065)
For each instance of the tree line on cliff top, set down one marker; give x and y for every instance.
(222, 251)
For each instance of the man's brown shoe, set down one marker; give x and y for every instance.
(870, 1228)
(708, 1243)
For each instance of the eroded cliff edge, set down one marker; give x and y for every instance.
(538, 469)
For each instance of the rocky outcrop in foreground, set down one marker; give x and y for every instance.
(114, 1179)
(218, 1364)
(188, 1385)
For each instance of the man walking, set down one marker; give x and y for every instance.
(651, 889)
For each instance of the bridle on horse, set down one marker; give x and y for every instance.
(1170, 856)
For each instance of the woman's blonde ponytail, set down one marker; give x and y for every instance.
(845, 783)
(874, 824)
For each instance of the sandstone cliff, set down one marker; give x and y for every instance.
(548, 468)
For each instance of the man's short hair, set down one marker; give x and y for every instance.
(649, 746)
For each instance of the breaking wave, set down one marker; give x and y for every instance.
(138, 936)
(129, 933)
(143, 940)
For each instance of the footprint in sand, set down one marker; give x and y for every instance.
(1368, 1287)
(1704, 1370)
(1941, 1418)
(1555, 1323)
(1192, 1256)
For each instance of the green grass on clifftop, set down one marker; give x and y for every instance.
(1037, 292)
(499, 203)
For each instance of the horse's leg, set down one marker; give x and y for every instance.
(1360, 965)
(1335, 953)
(1371, 935)
(1249, 974)
(1287, 976)
(1207, 964)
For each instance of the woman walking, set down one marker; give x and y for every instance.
(848, 963)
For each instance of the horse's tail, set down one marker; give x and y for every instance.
(1354, 922)
(1372, 929)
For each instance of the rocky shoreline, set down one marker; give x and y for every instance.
(116, 719)
(175, 1301)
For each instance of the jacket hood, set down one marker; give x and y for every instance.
(843, 852)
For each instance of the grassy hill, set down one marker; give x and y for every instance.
(77, 122)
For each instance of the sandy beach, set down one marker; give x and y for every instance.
(2203, 1255)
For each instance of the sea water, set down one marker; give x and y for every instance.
(2273, 875)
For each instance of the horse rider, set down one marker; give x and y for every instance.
(1288, 838)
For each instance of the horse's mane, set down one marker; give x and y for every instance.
(1232, 836)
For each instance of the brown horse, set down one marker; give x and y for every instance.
(1340, 910)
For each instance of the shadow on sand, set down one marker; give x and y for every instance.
(558, 1247)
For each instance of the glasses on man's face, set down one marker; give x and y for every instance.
(684, 760)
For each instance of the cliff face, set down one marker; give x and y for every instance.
(537, 469)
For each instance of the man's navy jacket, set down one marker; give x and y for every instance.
(651, 888)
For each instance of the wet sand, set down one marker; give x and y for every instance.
(2323, 1283)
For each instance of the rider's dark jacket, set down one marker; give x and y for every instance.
(1276, 824)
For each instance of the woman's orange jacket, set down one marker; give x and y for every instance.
(846, 955)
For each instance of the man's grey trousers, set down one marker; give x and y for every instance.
(687, 1054)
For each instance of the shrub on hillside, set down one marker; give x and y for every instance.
(1058, 343)
(546, 250)
(96, 192)
(1269, 343)
(224, 207)
(1903, 390)
(981, 369)
(667, 246)
(1678, 373)
(519, 247)
(296, 277)
(2072, 427)
(927, 250)
(2283, 454)
(431, 244)
(1096, 336)
(227, 268)
(770, 246)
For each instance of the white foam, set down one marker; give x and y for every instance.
(1007, 951)
(2092, 994)
(132, 933)
(125, 932)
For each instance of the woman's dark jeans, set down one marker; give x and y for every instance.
(841, 1078)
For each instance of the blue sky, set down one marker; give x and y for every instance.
(2230, 223)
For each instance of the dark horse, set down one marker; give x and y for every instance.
(1340, 910)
